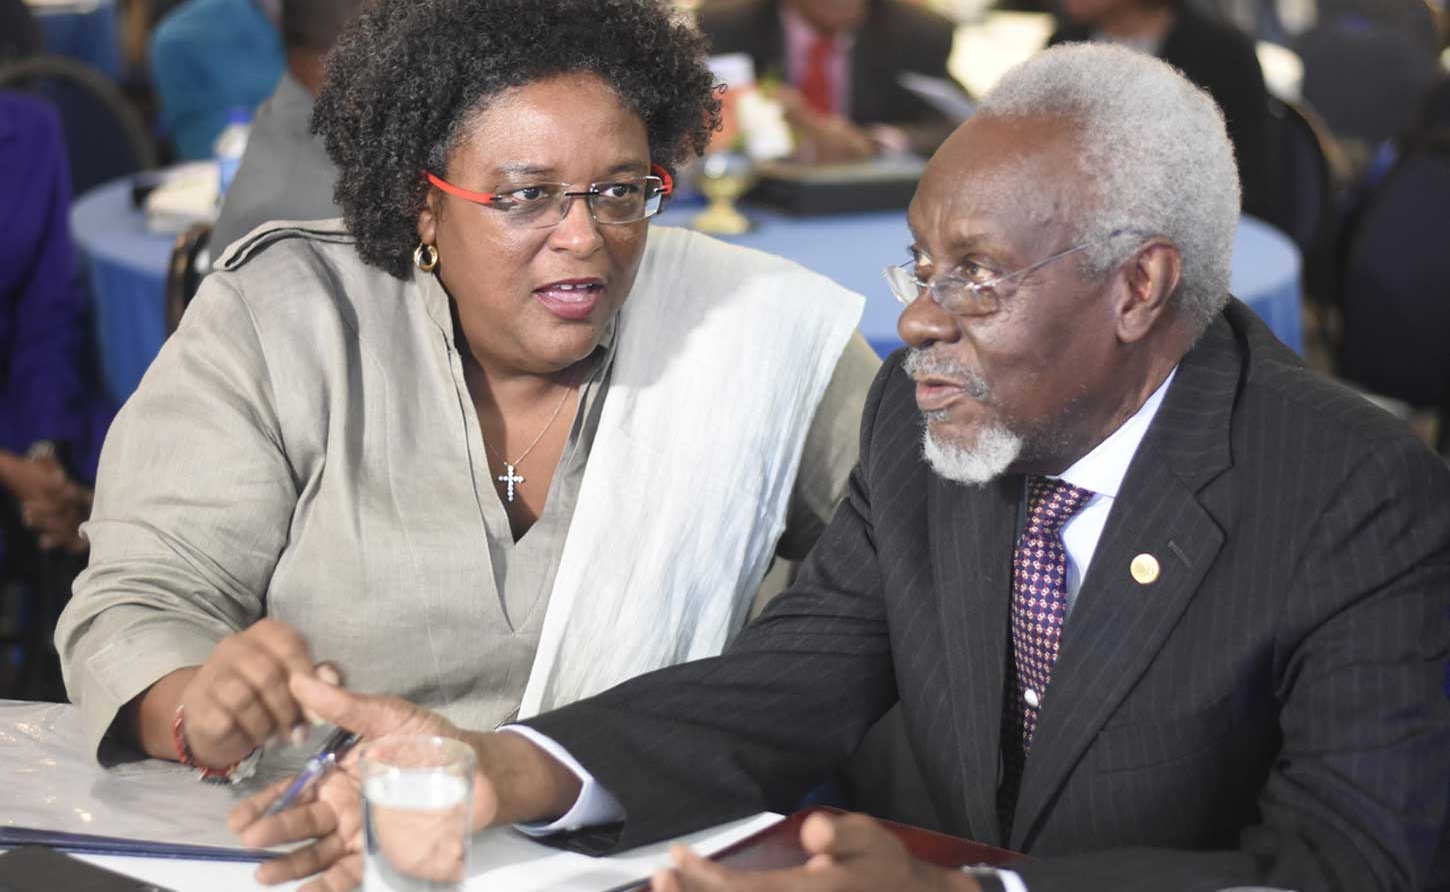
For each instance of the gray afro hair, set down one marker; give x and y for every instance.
(1157, 152)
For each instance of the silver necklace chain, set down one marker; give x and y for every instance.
(511, 477)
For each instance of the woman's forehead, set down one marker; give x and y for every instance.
(567, 122)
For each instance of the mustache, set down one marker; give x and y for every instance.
(927, 364)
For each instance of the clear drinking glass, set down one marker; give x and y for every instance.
(417, 798)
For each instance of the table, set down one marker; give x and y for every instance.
(81, 29)
(48, 776)
(127, 266)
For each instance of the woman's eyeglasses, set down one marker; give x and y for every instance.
(545, 205)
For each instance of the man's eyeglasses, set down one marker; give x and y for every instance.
(545, 205)
(970, 289)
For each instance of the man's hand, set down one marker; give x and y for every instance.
(823, 139)
(515, 781)
(849, 853)
(329, 816)
(51, 503)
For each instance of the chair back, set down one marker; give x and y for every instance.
(104, 136)
(1395, 289)
(190, 262)
(1305, 175)
(1364, 76)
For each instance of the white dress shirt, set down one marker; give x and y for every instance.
(1102, 471)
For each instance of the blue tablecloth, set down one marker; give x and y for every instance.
(128, 272)
(84, 30)
(126, 266)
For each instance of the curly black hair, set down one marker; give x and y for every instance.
(407, 76)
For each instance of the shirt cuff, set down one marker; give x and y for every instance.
(595, 804)
(993, 880)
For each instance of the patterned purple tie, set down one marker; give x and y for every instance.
(1039, 605)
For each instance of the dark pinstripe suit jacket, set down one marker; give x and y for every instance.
(1271, 709)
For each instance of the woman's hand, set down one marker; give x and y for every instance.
(239, 699)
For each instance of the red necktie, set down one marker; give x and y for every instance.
(1039, 605)
(816, 84)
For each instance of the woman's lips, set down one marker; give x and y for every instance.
(571, 299)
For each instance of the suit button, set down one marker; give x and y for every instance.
(1032, 699)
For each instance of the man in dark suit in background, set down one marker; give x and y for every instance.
(1162, 608)
(839, 61)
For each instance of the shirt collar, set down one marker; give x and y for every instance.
(799, 34)
(1102, 470)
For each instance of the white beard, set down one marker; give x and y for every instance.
(995, 447)
(989, 457)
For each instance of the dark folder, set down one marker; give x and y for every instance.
(87, 844)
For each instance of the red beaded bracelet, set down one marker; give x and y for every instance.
(230, 774)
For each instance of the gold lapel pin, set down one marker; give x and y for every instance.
(1144, 569)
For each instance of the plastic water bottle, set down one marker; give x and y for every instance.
(230, 145)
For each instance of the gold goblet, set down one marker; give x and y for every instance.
(724, 177)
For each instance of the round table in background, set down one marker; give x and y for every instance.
(127, 266)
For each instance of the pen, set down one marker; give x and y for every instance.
(335, 747)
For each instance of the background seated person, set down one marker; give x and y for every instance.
(492, 445)
(207, 58)
(285, 173)
(838, 61)
(1163, 608)
(50, 424)
(1213, 54)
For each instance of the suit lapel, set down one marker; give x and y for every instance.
(972, 530)
(1119, 624)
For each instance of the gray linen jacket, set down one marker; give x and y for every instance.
(304, 447)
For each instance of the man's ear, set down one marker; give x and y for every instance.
(428, 217)
(1151, 276)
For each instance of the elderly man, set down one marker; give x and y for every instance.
(1163, 609)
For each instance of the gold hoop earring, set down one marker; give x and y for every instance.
(425, 257)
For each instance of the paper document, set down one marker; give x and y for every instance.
(503, 858)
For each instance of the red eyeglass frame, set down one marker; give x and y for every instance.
(667, 186)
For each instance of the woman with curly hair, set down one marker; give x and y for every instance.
(487, 442)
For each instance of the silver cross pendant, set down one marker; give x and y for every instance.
(510, 477)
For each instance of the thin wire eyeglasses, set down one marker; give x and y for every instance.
(545, 205)
(962, 296)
